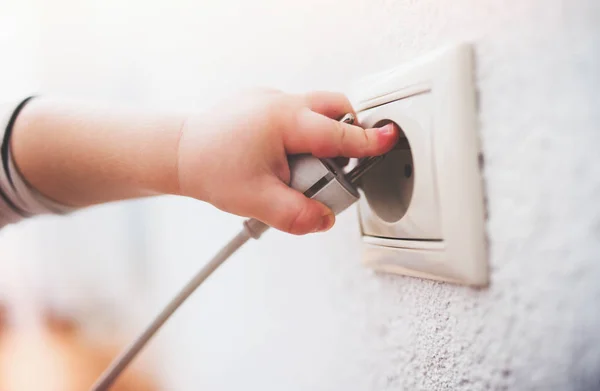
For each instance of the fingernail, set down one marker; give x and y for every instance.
(386, 129)
(326, 222)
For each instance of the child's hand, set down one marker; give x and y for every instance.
(235, 156)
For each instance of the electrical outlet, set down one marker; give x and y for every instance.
(421, 210)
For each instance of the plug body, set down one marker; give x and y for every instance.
(322, 180)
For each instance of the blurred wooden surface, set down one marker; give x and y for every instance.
(55, 358)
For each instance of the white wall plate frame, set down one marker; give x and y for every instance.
(441, 234)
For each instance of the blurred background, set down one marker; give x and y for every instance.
(302, 313)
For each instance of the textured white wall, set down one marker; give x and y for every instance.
(294, 313)
(302, 313)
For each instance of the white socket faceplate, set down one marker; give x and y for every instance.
(439, 233)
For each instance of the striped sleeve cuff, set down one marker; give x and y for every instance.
(18, 199)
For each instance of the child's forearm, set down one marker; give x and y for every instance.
(238, 162)
(81, 156)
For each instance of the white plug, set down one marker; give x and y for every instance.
(319, 179)
(325, 181)
(322, 180)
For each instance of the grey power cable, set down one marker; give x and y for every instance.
(252, 229)
(320, 179)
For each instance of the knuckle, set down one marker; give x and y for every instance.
(282, 171)
(294, 225)
(304, 219)
(336, 97)
(278, 118)
(341, 133)
(365, 140)
(343, 99)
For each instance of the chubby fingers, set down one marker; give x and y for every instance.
(329, 104)
(286, 209)
(321, 136)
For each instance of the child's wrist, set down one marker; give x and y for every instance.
(164, 179)
(194, 164)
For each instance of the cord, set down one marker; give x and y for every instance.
(252, 229)
(324, 186)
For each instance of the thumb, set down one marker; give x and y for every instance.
(290, 211)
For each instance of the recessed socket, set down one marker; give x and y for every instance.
(421, 211)
(397, 205)
(388, 187)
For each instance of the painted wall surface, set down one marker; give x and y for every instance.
(293, 313)
(302, 313)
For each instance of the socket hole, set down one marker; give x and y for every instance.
(388, 187)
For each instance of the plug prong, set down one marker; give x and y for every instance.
(362, 168)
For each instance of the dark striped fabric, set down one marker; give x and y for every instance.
(18, 199)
